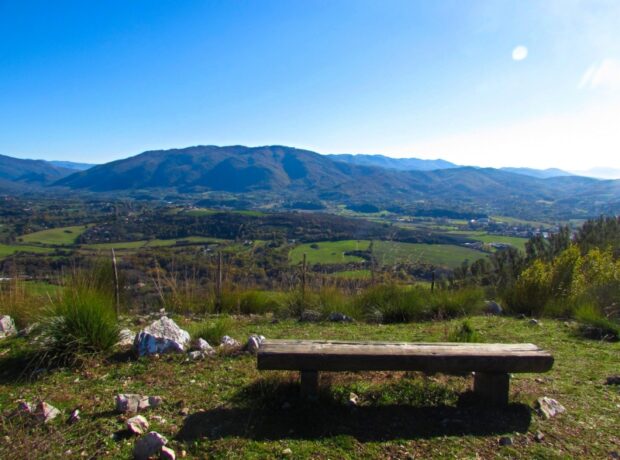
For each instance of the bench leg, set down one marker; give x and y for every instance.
(492, 388)
(309, 384)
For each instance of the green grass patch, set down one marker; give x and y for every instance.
(62, 236)
(448, 255)
(10, 249)
(328, 252)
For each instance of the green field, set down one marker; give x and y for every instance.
(153, 243)
(352, 274)
(205, 212)
(484, 237)
(328, 252)
(10, 249)
(386, 253)
(448, 255)
(62, 236)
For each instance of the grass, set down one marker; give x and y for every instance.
(328, 252)
(62, 236)
(10, 249)
(386, 252)
(484, 237)
(239, 412)
(352, 274)
(153, 243)
(391, 252)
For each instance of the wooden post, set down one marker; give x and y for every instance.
(493, 389)
(372, 262)
(218, 287)
(309, 384)
(117, 293)
(303, 278)
(433, 281)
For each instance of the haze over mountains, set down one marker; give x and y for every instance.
(280, 173)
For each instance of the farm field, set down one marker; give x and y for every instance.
(63, 236)
(10, 249)
(385, 252)
(391, 252)
(152, 243)
(328, 252)
(235, 411)
(485, 237)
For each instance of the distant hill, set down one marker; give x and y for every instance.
(72, 165)
(287, 174)
(600, 173)
(18, 174)
(400, 164)
(540, 173)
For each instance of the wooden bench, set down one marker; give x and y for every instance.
(491, 363)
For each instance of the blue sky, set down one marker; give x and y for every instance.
(96, 81)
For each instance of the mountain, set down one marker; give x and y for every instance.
(72, 165)
(540, 173)
(275, 174)
(400, 164)
(17, 174)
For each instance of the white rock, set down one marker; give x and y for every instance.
(155, 401)
(198, 355)
(126, 338)
(149, 445)
(167, 454)
(163, 336)
(137, 424)
(74, 417)
(254, 343)
(24, 408)
(7, 326)
(549, 407)
(131, 403)
(491, 307)
(45, 412)
(229, 342)
(353, 399)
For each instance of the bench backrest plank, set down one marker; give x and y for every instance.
(448, 358)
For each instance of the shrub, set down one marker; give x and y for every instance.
(394, 304)
(213, 331)
(81, 322)
(452, 304)
(595, 325)
(260, 302)
(532, 290)
(465, 332)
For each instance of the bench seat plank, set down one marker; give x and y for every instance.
(321, 355)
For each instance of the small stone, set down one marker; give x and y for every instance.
(149, 445)
(491, 307)
(254, 343)
(137, 424)
(287, 452)
(24, 408)
(131, 403)
(162, 336)
(539, 436)
(183, 454)
(7, 326)
(155, 401)
(74, 417)
(534, 322)
(548, 407)
(337, 317)
(184, 412)
(203, 345)
(45, 412)
(310, 316)
(615, 455)
(353, 399)
(613, 380)
(505, 441)
(198, 355)
(229, 343)
(167, 454)
(126, 338)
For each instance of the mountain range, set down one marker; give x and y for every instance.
(277, 174)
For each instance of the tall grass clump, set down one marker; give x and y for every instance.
(392, 304)
(464, 332)
(594, 324)
(256, 302)
(448, 304)
(81, 321)
(212, 331)
(20, 303)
